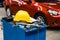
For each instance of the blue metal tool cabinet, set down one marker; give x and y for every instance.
(12, 32)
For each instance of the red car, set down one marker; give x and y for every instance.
(48, 11)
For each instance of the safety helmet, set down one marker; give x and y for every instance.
(22, 16)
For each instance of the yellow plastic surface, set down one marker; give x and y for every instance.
(22, 16)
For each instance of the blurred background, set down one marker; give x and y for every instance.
(51, 33)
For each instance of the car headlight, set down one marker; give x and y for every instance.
(53, 12)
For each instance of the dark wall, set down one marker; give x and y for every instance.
(1, 0)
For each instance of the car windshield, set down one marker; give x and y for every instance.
(47, 0)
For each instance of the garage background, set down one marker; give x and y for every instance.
(51, 33)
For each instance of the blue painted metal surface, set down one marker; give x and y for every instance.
(16, 33)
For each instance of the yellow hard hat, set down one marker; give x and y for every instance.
(22, 16)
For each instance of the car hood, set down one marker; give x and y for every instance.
(51, 5)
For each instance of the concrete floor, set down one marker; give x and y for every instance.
(51, 34)
(1, 35)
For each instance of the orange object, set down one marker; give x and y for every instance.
(49, 10)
